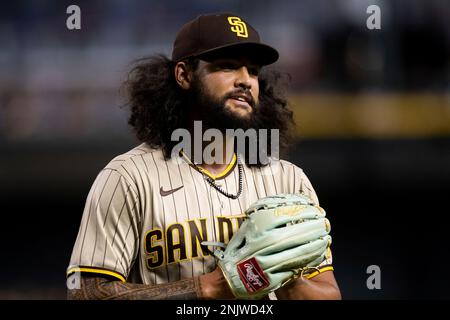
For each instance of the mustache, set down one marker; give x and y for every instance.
(247, 95)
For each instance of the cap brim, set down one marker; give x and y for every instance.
(259, 53)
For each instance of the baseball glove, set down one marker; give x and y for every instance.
(283, 236)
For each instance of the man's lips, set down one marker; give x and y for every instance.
(243, 98)
(240, 102)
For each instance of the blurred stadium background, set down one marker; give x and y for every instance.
(372, 107)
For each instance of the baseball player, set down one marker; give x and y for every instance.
(148, 218)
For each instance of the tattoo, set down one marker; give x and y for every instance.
(98, 288)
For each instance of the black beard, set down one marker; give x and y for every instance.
(214, 114)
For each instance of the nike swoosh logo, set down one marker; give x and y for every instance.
(168, 192)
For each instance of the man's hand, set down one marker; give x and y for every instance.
(214, 286)
(321, 287)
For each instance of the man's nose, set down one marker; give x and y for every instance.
(243, 78)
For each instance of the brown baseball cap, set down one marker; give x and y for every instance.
(221, 35)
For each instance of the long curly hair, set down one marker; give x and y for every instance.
(159, 105)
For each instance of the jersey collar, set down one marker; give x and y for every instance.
(207, 173)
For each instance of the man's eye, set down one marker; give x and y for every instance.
(228, 66)
(253, 71)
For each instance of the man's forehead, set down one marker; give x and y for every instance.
(237, 60)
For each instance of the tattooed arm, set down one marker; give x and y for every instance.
(100, 288)
(208, 286)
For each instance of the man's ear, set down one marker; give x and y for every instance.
(182, 75)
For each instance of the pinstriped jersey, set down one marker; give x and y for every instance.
(145, 217)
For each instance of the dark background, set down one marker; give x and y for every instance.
(385, 190)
